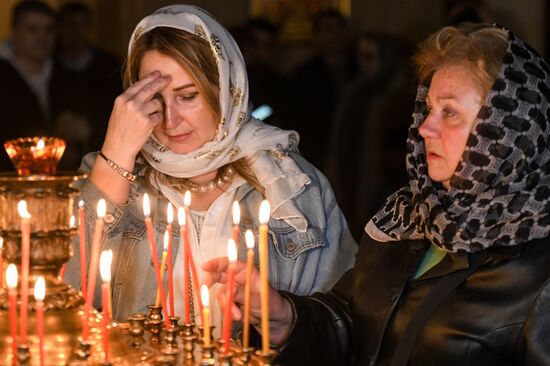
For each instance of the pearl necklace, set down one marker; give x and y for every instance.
(220, 179)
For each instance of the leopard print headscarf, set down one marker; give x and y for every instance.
(500, 192)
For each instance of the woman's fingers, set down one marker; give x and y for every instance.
(215, 271)
(150, 89)
(132, 90)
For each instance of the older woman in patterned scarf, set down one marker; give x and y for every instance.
(183, 123)
(455, 268)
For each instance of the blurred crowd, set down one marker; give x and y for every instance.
(351, 101)
(55, 82)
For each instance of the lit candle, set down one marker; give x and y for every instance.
(169, 220)
(236, 220)
(105, 271)
(25, 259)
(153, 245)
(249, 238)
(11, 281)
(182, 221)
(38, 150)
(1, 262)
(82, 240)
(109, 260)
(227, 318)
(94, 264)
(163, 264)
(189, 262)
(264, 271)
(39, 294)
(205, 300)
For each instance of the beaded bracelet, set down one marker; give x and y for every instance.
(123, 172)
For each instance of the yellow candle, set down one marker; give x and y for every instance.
(264, 271)
(153, 247)
(163, 263)
(205, 299)
(249, 238)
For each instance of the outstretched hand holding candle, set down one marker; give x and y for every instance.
(280, 314)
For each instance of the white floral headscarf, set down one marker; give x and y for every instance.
(239, 135)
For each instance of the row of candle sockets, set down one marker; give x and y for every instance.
(88, 281)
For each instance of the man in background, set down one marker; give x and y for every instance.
(90, 80)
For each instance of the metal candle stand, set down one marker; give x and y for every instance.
(144, 340)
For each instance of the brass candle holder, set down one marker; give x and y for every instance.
(35, 155)
(50, 200)
(143, 340)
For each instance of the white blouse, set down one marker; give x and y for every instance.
(208, 237)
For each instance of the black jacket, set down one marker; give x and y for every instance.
(499, 316)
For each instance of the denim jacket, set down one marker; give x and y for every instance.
(299, 262)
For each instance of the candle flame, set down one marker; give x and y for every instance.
(1, 244)
(101, 208)
(249, 238)
(105, 265)
(72, 221)
(231, 251)
(22, 209)
(236, 213)
(264, 212)
(187, 199)
(205, 296)
(11, 276)
(181, 216)
(170, 213)
(166, 239)
(40, 289)
(146, 205)
(81, 204)
(40, 144)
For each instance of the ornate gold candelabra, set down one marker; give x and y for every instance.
(144, 340)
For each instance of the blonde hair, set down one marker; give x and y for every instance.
(479, 47)
(193, 54)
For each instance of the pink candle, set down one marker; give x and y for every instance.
(169, 220)
(82, 240)
(94, 264)
(11, 281)
(25, 259)
(151, 236)
(105, 271)
(227, 318)
(236, 220)
(39, 294)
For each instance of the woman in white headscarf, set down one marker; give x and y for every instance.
(183, 123)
